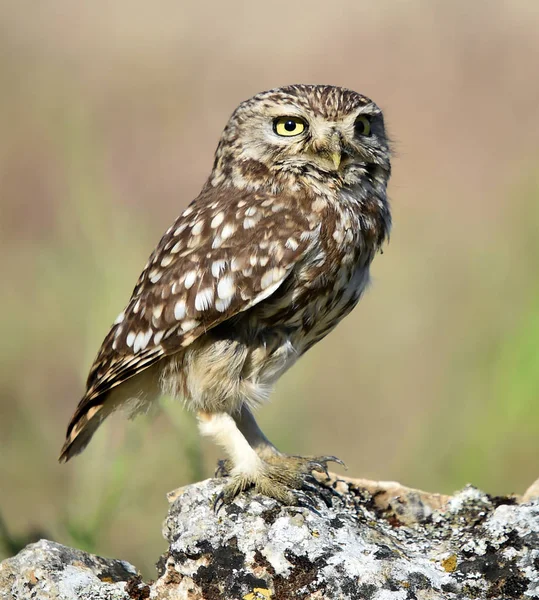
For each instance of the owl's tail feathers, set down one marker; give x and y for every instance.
(87, 418)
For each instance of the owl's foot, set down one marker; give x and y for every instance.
(288, 479)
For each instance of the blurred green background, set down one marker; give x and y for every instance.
(109, 116)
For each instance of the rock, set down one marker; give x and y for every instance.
(375, 541)
(46, 571)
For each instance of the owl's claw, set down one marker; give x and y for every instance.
(288, 479)
(218, 502)
(320, 463)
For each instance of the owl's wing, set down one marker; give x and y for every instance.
(228, 251)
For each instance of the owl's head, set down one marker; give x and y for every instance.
(303, 133)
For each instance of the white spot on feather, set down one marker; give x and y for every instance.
(272, 276)
(158, 336)
(228, 231)
(141, 341)
(338, 235)
(291, 243)
(226, 287)
(204, 299)
(190, 279)
(222, 305)
(155, 276)
(179, 310)
(217, 267)
(217, 220)
(119, 318)
(189, 325)
(166, 260)
(198, 227)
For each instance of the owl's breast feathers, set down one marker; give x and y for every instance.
(328, 281)
(231, 251)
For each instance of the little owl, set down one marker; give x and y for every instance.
(263, 264)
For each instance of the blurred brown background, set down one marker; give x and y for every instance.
(109, 116)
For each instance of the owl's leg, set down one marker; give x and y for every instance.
(295, 471)
(242, 458)
(255, 462)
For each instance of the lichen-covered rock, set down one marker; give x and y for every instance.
(371, 541)
(469, 546)
(50, 571)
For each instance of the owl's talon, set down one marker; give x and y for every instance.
(322, 461)
(218, 502)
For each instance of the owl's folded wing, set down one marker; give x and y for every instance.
(228, 251)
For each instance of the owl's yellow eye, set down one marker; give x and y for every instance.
(289, 126)
(363, 125)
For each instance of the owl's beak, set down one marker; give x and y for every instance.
(336, 158)
(330, 149)
(335, 148)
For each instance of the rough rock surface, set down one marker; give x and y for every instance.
(374, 542)
(48, 570)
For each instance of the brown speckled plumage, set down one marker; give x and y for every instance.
(273, 253)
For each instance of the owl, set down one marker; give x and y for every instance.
(264, 263)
